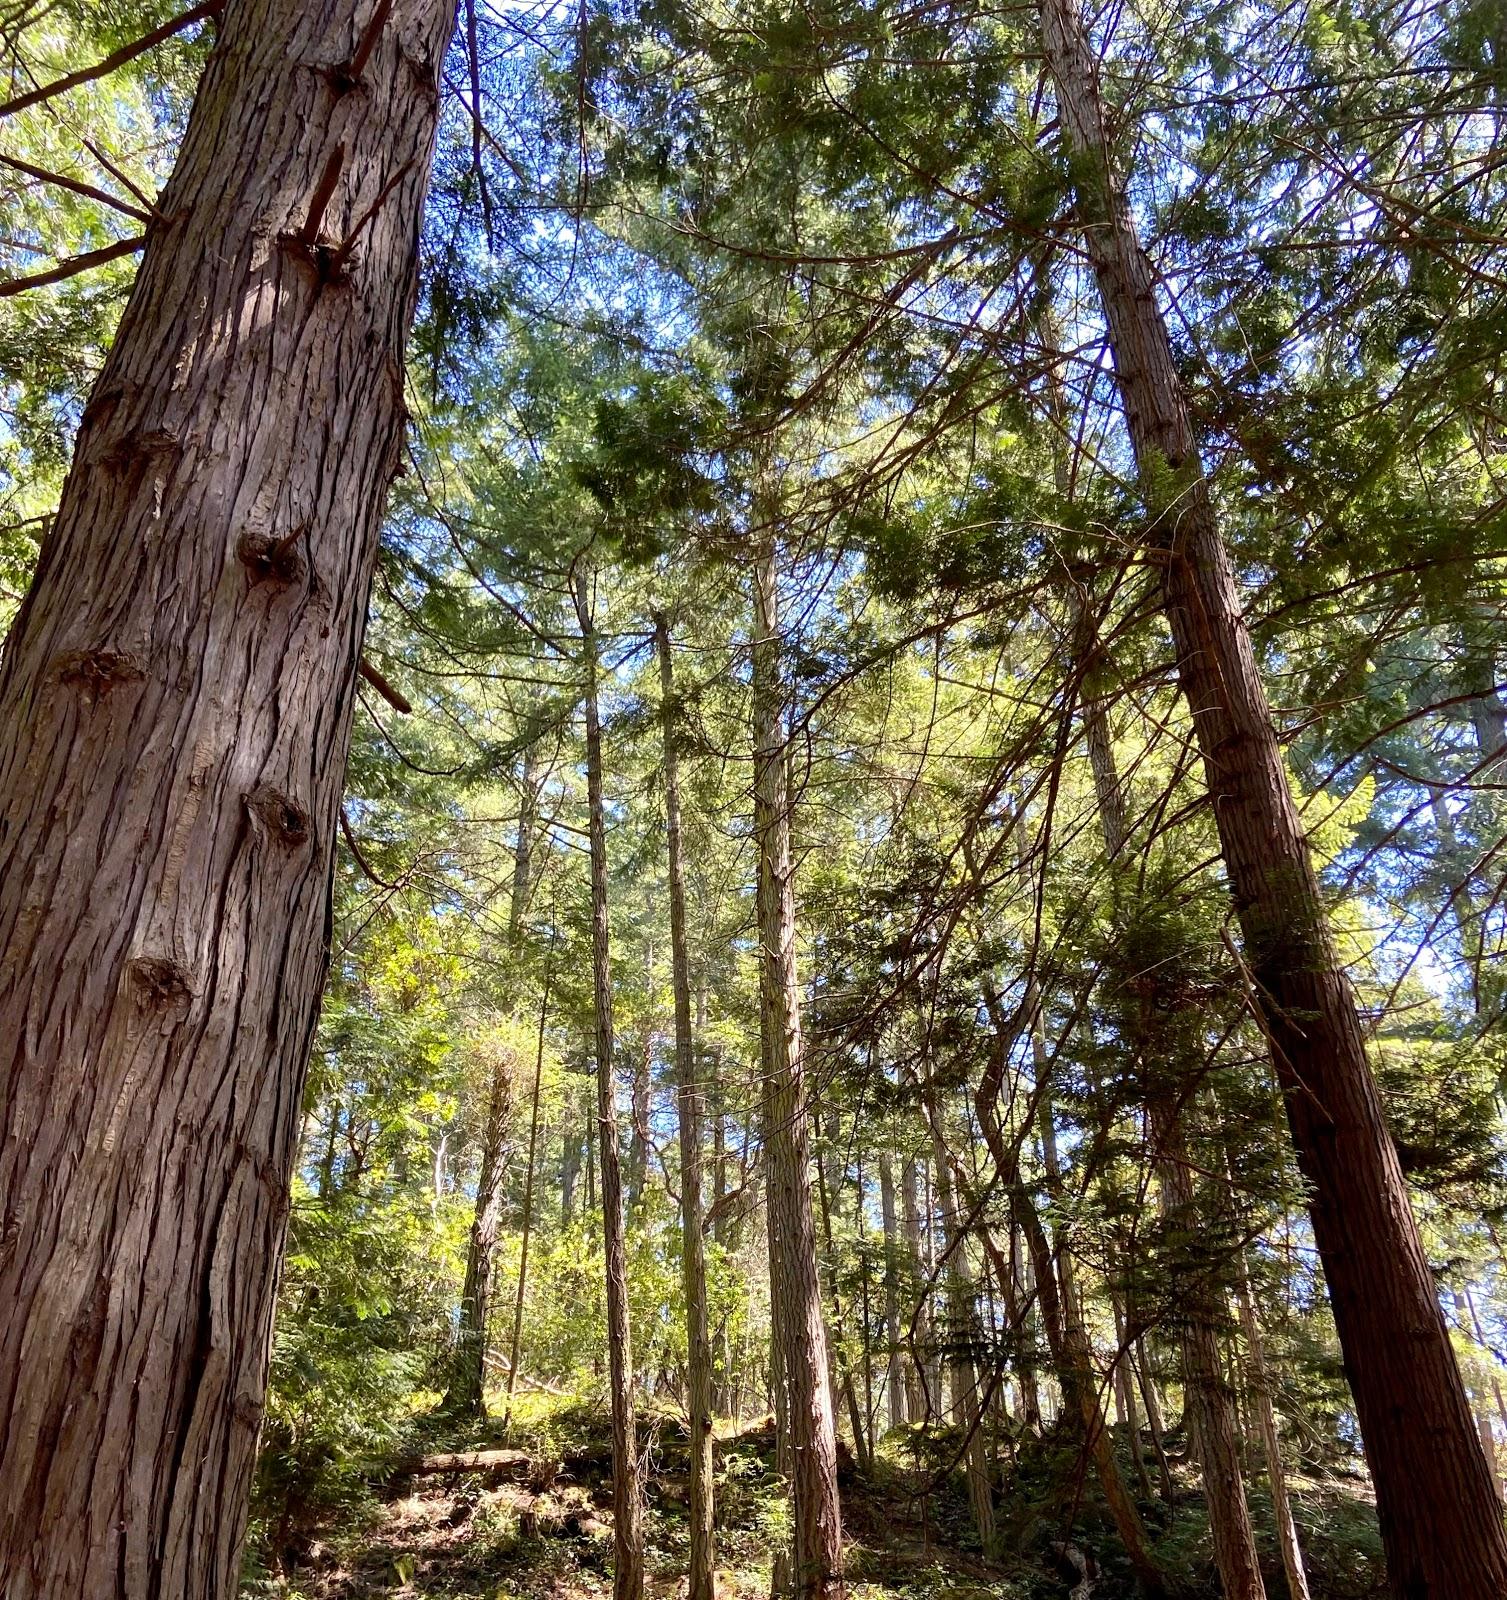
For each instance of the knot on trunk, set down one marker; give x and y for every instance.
(101, 407)
(160, 984)
(325, 262)
(278, 815)
(247, 1410)
(269, 560)
(425, 78)
(96, 672)
(135, 453)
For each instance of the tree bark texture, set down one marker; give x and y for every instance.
(175, 708)
(1440, 1521)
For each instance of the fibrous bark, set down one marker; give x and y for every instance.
(175, 709)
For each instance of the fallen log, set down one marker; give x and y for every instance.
(497, 1462)
(499, 1363)
(1083, 1566)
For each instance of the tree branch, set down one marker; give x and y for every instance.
(77, 185)
(72, 266)
(398, 701)
(116, 58)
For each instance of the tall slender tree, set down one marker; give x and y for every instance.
(816, 1566)
(691, 1099)
(627, 1491)
(464, 1396)
(1441, 1523)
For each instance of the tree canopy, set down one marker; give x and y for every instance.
(935, 661)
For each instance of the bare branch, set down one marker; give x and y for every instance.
(77, 185)
(72, 266)
(398, 701)
(116, 58)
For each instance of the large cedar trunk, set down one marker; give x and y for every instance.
(691, 1098)
(175, 710)
(816, 1570)
(627, 1498)
(1440, 1521)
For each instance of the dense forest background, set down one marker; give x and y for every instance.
(776, 839)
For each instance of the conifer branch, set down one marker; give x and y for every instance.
(76, 186)
(116, 58)
(72, 266)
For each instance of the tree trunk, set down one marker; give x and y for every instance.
(1479, 1335)
(1125, 1390)
(894, 1386)
(701, 1582)
(627, 1498)
(638, 1131)
(570, 1159)
(175, 710)
(816, 1516)
(1440, 1521)
(1067, 1339)
(464, 1396)
(515, 1345)
(840, 1372)
(966, 1410)
(1209, 1399)
(1023, 1290)
(917, 1402)
(1271, 1442)
(1147, 1381)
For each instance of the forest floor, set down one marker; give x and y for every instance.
(536, 1525)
